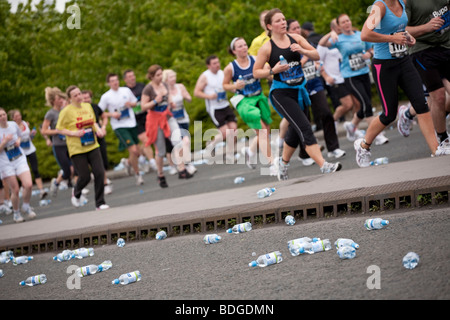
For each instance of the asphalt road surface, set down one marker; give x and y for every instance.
(184, 269)
(221, 176)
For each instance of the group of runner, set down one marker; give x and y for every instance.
(405, 42)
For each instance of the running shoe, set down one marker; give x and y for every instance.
(162, 182)
(403, 122)
(103, 207)
(53, 187)
(275, 167)
(336, 153)
(350, 128)
(307, 162)
(78, 202)
(18, 217)
(249, 160)
(191, 168)
(43, 194)
(283, 171)
(28, 214)
(184, 175)
(139, 180)
(108, 189)
(443, 149)
(173, 170)
(362, 155)
(381, 139)
(127, 166)
(330, 167)
(5, 209)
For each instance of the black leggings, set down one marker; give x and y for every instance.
(391, 74)
(81, 163)
(32, 158)
(299, 131)
(62, 158)
(359, 86)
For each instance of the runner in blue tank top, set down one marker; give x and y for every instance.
(393, 68)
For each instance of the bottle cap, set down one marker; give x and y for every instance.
(253, 264)
(55, 258)
(384, 222)
(115, 281)
(230, 230)
(22, 283)
(355, 245)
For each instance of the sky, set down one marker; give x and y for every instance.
(60, 4)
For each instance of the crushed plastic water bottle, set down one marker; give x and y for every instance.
(239, 180)
(93, 269)
(127, 278)
(66, 255)
(34, 280)
(375, 224)
(346, 252)
(290, 221)
(321, 245)
(21, 260)
(411, 260)
(267, 259)
(161, 235)
(241, 227)
(300, 247)
(83, 253)
(6, 256)
(120, 242)
(379, 161)
(1, 273)
(341, 242)
(44, 202)
(211, 238)
(266, 192)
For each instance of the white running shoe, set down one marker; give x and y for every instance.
(191, 168)
(108, 189)
(103, 207)
(250, 161)
(307, 162)
(275, 167)
(283, 171)
(362, 155)
(28, 214)
(53, 187)
(5, 209)
(140, 180)
(350, 128)
(381, 139)
(336, 153)
(330, 167)
(444, 148)
(18, 217)
(126, 165)
(78, 202)
(403, 122)
(173, 171)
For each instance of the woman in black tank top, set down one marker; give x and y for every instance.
(288, 94)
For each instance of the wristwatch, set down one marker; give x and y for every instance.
(271, 72)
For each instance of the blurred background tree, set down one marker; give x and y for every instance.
(39, 47)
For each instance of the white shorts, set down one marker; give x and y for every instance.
(13, 168)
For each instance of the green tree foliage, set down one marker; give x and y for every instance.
(39, 48)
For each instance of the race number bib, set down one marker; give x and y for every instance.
(25, 144)
(178, 111)
(356, 61)
(397, 50)
(309, 68)
(88, 138)
(252, 88)
(13, 152)
(124, 112)
(293, 75)
(221, 95)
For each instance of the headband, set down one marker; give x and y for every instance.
(232, 43)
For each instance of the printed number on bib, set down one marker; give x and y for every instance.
(309, 68)
(356, 61)
(13, 152)
(397, 50)
(293, 75)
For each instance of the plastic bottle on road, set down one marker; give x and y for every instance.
(34, 280)
(93, 269)
(6, 256)
(267, 259)
(411, 260)
(321, 245)
(21, 260)
(239, 180)
(211, 238)
(342, 242)
(120, 242)
(66, 255)
(1, 273)
(266, 192)
(300, 247)
(241, 227)
(379, 161)
(161, 235)
(83, 253)
(44, 202)
(346, 252)
(375, 224)
(290, 221)
(127, 278)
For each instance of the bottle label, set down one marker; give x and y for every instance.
(271, 258)
(132, 277)
(318, 246)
